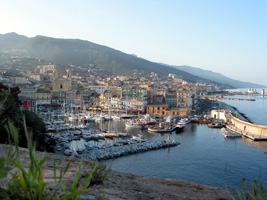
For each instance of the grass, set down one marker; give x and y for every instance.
(255, 192)
(29, 183)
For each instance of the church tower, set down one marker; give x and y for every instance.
(61, 84)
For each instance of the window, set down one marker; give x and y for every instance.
(61, 86)
(32, 103)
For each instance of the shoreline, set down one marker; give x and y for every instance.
(121, 185)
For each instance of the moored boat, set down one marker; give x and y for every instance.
(132, 124)
(180, 127)
(162, 129)
(215, 125)
(231, 135)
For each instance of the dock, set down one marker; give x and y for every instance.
(253, 137)
(238, 99)
(228, 98)
(118, 151)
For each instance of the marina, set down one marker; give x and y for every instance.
(195, 148)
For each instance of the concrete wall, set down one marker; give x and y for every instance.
(249, 127)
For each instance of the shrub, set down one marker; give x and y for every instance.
(256, 192)
(28, 183)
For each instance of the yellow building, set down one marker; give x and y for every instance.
(157, 108)
(28, 91)
(163, 109)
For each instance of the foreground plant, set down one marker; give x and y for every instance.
(256, 192)
(28, 183)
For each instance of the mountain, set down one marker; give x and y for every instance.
(75, 51)
(217, 77)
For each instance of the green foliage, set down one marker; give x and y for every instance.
(34, 122)
(28, 183)
(9, 109)
(101, 173)
(256, 192)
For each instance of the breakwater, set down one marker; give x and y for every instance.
(252, 131)
(113, 152)
(242, 125)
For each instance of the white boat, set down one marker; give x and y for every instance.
(132, 124)
(89, 118)
(73, 118)
(82, 126)
(115, 117)
(68, 152)
(139, 138)
(180, 126)
(231, 135)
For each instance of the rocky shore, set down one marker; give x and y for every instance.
(124, 185)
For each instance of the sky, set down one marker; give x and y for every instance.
(224, 36)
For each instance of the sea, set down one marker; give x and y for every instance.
(204, 155)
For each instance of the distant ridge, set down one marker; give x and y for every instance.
(217, 77)
(75, 51)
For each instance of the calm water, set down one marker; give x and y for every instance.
(203, 156)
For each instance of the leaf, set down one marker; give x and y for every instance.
(76, 179)
(4, 172)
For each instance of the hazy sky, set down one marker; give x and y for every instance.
(225, 36)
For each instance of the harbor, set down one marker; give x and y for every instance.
(209, 148)
(96, 136)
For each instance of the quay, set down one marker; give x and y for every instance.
(118, 151)
(229, 98)
(239, 99)
(251, 136)
(237, 123)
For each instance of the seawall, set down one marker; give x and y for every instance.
(250, 130)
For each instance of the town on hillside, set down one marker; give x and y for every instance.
(82, 88)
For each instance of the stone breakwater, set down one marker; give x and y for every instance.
(113, 152)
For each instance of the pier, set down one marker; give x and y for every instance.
(229, 98)
(238, 99)
(118, 151)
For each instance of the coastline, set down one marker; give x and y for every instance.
(125, 185)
